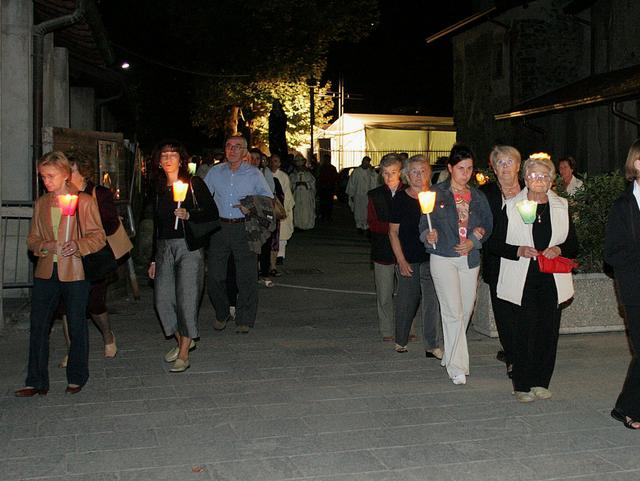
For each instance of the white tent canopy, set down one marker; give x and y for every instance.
(356, 135)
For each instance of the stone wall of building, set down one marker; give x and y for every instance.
(543, 49)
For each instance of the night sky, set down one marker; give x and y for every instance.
(393, 70)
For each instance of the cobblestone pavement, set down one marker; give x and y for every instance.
(311, 393)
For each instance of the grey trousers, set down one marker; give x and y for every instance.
(384, 276)
(232, 238)
(178, 286)
(412, 290)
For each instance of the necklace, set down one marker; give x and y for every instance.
(510, 192)
(542, 211)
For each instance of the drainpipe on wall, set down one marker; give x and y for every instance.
(38, 33)
(615, 110)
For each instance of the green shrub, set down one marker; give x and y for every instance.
(590, 208)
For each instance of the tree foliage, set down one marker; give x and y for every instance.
(256, 99)
(590, 209)
(274, 46)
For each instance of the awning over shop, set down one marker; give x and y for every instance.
(616, 86)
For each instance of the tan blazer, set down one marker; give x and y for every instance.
(92, 240)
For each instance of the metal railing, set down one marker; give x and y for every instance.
(17, 269)
(353, 158)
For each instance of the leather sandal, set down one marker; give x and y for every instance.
(624, 419)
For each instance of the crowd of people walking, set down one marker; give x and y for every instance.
(232, 223)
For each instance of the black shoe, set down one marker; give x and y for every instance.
(619, 416)
(501, 356)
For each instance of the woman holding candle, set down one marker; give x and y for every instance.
(178, 260)
(461, 221)
(415, 286)
(622, 252)
(59, 273)
(536, 222)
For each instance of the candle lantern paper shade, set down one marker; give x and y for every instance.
(192, 168)
(179, 191)
(179, 194)
(68, 204)
(527, 210)
(427, 201)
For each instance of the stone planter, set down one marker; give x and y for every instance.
(594, 308)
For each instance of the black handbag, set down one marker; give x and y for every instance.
(98, 264)
(201, 230)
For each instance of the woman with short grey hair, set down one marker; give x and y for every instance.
(536, 295)
(415, 285)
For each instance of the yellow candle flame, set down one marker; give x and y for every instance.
(427, 201)
(179, 191)
(481, 178)
(192, 168)
(540, 156)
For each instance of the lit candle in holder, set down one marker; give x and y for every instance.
(481, 179)
(427, 202)
(68, 204)
(527, 210)
(191, 166)
(179, 194)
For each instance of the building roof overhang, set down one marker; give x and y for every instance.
(608, 87)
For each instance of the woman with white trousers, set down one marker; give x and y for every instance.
(460, 222)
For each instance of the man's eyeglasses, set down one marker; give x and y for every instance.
(234, 147)
(536, 176)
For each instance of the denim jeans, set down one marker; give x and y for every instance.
(44, 300)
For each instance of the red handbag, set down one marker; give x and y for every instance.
(557, 265)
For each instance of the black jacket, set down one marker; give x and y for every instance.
(622, 246)
(381, 250)
(205, 211)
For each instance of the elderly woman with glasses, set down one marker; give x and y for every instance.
(536, 295)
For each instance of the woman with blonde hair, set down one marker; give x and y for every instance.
(622, 252)
(536, 295)
(59, 274)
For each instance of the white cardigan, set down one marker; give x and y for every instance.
(513, 274)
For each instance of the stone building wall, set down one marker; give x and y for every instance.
(544, 49)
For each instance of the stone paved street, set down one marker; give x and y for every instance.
(311, 393)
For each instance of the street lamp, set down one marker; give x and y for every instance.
(311, 82)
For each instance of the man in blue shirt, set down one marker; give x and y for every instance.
(230, 182)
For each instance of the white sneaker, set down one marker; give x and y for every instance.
(541, 392)
(459, 379)
(525, 397)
